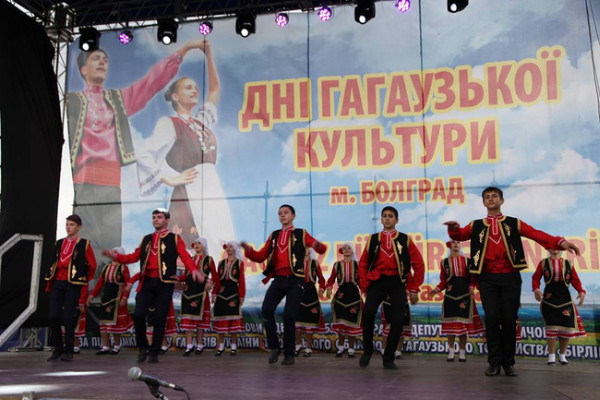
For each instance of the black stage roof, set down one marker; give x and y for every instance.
(107, 12)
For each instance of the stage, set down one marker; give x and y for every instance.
(322, 376)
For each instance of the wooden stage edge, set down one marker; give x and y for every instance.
(322, 376)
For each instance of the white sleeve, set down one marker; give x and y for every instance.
(207, 114)
(151, 164)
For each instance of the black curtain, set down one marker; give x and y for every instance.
(32, 141)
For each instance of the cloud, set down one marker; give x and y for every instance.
(294, 187)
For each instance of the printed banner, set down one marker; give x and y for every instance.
(420, 111)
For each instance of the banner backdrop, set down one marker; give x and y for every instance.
(420, 111)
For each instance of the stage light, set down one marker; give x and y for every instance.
(167, 31)
(245, 24)
(126, 36)
(325, 13)
(282, 19)
(364, 11)
(403, 6)
(205, 27)
(455, 6)
(89, 39)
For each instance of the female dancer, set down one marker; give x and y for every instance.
(459, 313)
(195, 299)
(558, 310)
(346, 304)
(229, 298)
(310, 318)
(182, 153)
(113, 315)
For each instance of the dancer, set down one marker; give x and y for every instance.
(384, 270)
(459, 312)
(195, 299)
(560, 314)
(310, 318)
(285, 248)
(229, 294)
(182, 153)
(158, 252)
(73, 266)
(498, 256)
(112, 314)
(346, 303)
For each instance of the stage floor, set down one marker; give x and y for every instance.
(322, 376)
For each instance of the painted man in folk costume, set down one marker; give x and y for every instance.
(100, 138)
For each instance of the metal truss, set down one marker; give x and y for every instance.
(109, 13)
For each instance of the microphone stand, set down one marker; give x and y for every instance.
(156, 393)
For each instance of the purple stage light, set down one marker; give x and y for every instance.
(325, 14)
(282, 19)
(403, 6)
(125, 37)
(205, 27)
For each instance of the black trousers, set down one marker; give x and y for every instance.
(292, 288)
(100, 209)
(378, 290)
(64, 299)
(501, 298)
(158, 294)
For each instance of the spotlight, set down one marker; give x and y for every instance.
(126, 36)
(89, 39)
(325, 14)
(282, 19)
(403, 6)
(167, 31)
(364, 11)
(245, 24)
(455, 6)
(205, 27)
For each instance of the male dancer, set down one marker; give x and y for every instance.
(100, 138)
(158, 252)
(498, 256)
(285, 249)
(73, 266)
(384, 270)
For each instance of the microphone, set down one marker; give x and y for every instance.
(136, 374)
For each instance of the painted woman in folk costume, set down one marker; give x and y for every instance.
(182, 154)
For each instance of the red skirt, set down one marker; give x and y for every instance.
(458, 328)
(81, 322)
(192, 323)
(228, 326)
(567, 333)
(124, 322)
(320, 328)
